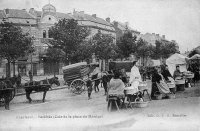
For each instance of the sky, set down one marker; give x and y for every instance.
(176, 19)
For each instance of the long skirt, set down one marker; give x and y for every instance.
(163, 87)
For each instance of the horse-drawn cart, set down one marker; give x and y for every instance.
(76, 75)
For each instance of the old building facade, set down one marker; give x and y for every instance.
(37, 24)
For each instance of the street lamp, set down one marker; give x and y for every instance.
(31, 78)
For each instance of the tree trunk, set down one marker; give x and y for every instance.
(54, 69)
(8, 69)
(13, 68)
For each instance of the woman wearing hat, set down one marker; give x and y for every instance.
(158, 82)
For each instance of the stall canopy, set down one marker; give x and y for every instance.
(176, 59)
(194, 57)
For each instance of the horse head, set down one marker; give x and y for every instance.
(54, 80)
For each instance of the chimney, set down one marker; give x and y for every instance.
(163, 36)
(115, 23)
(126, 24)
(94, 15)
(108, 19)
(81, 12)
(7, 11)
(31, 10)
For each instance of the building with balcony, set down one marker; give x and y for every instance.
(37, 24)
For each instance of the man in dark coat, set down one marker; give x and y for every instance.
(166, 73)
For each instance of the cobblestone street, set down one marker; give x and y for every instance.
(63, 109)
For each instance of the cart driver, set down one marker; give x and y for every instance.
(94, 75)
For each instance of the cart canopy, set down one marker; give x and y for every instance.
(195, 57)
(74, 65)
(75, 71)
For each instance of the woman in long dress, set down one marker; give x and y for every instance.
(159, 81)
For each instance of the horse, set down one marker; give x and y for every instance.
(16, 81)
(39, 86)
(6, 92)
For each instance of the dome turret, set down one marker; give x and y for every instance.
(49, 8)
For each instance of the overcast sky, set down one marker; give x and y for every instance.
(176, 19)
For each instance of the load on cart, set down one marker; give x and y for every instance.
(76, 75)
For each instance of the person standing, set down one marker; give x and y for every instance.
(95, 77)
(166, 74)
(30, 76)
(89, 88)
(135, 77)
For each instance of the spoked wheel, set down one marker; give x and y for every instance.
(77, 86)
(2, 101)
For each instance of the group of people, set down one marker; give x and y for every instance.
(160, 78)
(114, 82)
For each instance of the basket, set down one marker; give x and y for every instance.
(130, 91)
(180, 82)
(171, 96)
(158, 95)
(171, 85)
(142, 87)
(189, 75)
(140, 104)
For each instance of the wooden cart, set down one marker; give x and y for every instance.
(75, 76)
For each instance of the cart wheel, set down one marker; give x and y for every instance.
(2, 101)
(77, 86)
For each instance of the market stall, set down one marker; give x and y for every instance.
(177, 59)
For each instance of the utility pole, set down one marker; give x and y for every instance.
(31, 78)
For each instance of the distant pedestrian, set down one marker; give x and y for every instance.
(89, 88)
(95, 74)
(105, 80)
(30, 76)
(18, 80)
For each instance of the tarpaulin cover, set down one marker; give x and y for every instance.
(176, 59)
(75, 71)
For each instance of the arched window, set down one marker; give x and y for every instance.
(44, 34)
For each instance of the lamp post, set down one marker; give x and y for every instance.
(31, 77)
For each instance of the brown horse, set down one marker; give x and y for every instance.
(40, 86)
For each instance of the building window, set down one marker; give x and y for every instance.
(50, 34)
(44, 34)
(49, 18)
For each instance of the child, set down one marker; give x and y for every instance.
(89, 87)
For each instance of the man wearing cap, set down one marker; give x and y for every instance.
(135, 77)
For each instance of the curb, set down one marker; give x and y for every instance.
(63, 87)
